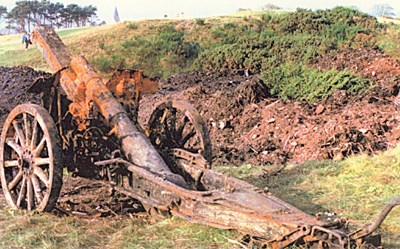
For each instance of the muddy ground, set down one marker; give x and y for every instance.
(247, 125)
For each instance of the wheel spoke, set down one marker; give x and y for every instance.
(169, 125)
(15, 181)
(16, 147)
(20, 133)
(29, 193)
(34, 133)
(11, 163)
(42, 176)
(173, 120)
(164, 116)
(179, 131)
(22, 192)
(39, 148)
(41, 161)
(187, 137)
(37, 189)
(27, 128)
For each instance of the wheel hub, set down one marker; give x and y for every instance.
(27, 160)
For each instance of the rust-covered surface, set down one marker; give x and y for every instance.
(84, 86)
(169, 171)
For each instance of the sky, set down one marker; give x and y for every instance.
(156, 9)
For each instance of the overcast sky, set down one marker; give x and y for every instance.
(154, 9)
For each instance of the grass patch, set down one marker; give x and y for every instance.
(23, 230)
(12, 53)
(356, 188)
(390, 40)
(65, 33)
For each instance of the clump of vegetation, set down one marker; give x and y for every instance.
(132, 25)
(164, 53)
(200, 21)
(303, 83)
(272, 45)
(109, 63)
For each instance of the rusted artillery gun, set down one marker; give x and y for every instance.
(91, 128)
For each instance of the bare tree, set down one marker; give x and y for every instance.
(3, 12)
(381, 10)
(270, 6)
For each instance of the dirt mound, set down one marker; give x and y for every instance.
(14, 83)
(247, 126)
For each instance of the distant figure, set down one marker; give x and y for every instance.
(27, 39)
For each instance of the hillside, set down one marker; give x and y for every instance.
(276, 90)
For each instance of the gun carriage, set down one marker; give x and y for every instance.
(90, 127)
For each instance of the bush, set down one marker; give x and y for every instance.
(109, 63)
(318, 22)
(200, 21)
(254, 52)
(295, 38)
(248, 53)
(290, 81)
(164, 53)
(132, 25)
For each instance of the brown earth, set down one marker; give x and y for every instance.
(247, 125)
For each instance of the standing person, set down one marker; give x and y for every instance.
(27, 39)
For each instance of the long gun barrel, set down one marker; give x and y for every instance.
(82, 84)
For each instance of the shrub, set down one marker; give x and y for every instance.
(296, 38)
(266, 17)
(317, 22)
(164, 53)
(102, 45)
(132, 25)
(200, 21)
(109, 63)
(290, 81)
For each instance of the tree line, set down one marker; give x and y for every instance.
(26, 14)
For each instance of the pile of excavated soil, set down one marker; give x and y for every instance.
(14, 83)
(247, 126)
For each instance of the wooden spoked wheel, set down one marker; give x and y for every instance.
(30, 159)
(177, 125)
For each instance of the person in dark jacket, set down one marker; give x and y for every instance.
(27, 40)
